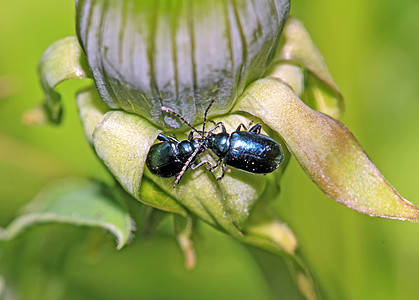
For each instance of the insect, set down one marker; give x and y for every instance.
(172, 157)
(168, 158)
(247, 150)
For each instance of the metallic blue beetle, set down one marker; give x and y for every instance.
(249, 150)
(246, 150)
(168, 158)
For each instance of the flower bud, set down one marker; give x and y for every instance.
(178, 54)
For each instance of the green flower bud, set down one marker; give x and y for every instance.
(180, 54)
(144, 55)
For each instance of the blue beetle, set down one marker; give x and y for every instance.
(168, 158)
(247, 150)
(172, 157)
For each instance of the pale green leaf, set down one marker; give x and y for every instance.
(63, 60)
(78, 202)
(326, 150)
(320, 97)
(122, 142)
(296, 47)
(292, 74)
(91, 111)
(265, 230)
(153, 195)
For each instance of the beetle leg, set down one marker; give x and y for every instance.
(219, 124)
(256, 129)
(212, 155)
(225, 170)
(210, 168)
(240, 126)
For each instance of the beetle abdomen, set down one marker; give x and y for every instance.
(161, 160)
(253, 153)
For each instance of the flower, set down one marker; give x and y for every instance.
(143, 56)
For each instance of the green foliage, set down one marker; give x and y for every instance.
(352, 255)
(77, 202)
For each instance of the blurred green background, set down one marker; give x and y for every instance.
(371, 48)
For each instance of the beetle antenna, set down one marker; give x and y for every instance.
(171, 111)
(206, 113)
(186, 165)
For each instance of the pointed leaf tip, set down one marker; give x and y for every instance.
(327, 151)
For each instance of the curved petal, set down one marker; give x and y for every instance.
(63, 60)
(122, 142)
(91, 111)
(326, 150)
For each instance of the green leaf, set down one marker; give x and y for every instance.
(148, 54)
(153, 195)
(264, 229)
(326, 150)
(296, 47)
(285, 275)
(63, 60)
(91, 111)
(78, 202)
(320, 97)
(292, 74)
(122, 142)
